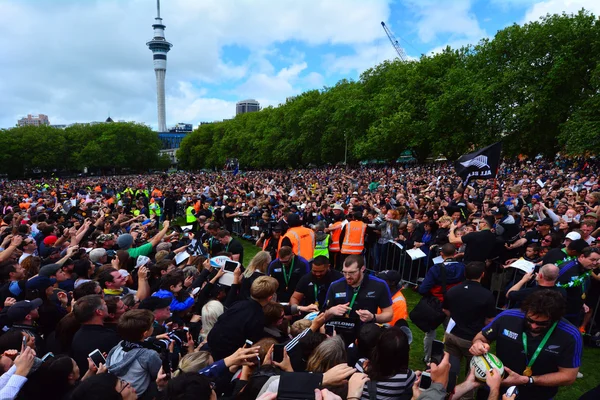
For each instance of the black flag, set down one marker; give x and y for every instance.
(481, 164)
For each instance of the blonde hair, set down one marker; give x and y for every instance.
(263, 287)
(260, 262)
(299, 326)
(160, 255)
(193, 362)
(444, 218)
(210, 313)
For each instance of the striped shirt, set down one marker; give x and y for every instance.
(391, 388)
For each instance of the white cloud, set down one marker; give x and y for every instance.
(543, 8)
(442, 17)
(364, 57)
(80, 60)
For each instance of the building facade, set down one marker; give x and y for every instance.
(34, 120)
(246, 106)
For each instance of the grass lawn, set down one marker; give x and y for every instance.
(591, 357)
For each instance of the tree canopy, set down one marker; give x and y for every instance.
(101, 148)
(536, 87)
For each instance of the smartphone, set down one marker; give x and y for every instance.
(48, 356)
(329, 330)
(166, 363)
(425, 380)
(298, 386)
(230, 265)
(278, 350)
(437, 352)
(97, 358)
(24, 343)
(248, 343)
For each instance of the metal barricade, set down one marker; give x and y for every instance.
(394, 257)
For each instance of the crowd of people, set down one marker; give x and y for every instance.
(130, 287)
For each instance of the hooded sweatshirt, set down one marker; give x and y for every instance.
(176, 305)
(135, 364)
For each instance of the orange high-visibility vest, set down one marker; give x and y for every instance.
(303, 241)
(335, 237)
(266, 243)
(399, 307)
(354, 239)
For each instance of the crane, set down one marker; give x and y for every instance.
(394, 41)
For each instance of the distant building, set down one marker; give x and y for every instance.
(34, 120)
(171, 140)
(181, 127)
(246, 106)
(171, 153)
(60, 126)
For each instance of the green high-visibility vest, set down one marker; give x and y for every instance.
(322, 247)
(190, 218)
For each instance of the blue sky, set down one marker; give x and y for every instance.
(96, 62)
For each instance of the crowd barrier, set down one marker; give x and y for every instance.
(245, 226)
(393, 256)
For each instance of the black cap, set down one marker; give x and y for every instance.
(293, 220)
(277, 228)
(389, 275)
(578, 245)
(546, 221)
(154, 303)
(18, 311)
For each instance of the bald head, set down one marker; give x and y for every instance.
(549, 273)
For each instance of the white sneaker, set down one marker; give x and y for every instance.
(579, 375)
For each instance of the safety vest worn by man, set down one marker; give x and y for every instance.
(334, 246)
(266, 244)
(354, 238)
(190, 217)
(303, 241)
(399, 307)
(322, 247)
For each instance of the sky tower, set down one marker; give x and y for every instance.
(160, 47)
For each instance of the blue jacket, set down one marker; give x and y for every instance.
(455, 273)
(176, 305)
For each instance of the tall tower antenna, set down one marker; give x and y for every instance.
(160, 47)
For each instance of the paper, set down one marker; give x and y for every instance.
(399, 245)
(141, 260)
(523, 265)
(539, 182)
(226, 279)
(181, 257)
(415, 254)
(187, 227)
(438, 260)
(451, 325)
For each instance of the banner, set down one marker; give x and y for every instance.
(481, 164)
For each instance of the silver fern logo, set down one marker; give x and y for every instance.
(479, 162)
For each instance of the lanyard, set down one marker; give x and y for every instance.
(528, 369)
(353, 300)
(316, 293)
(287, 277)
(227, 247)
